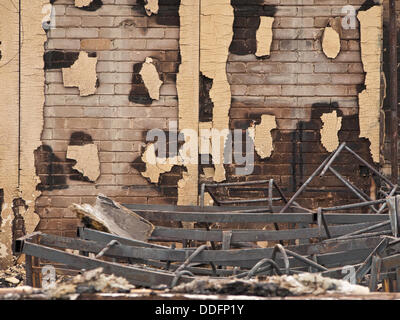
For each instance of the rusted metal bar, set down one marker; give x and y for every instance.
(190, 258)
(107, 248)
(28, 270)
(305, 184)
(375, 226)
(305, 260)
(354, 205)
(333, 158)
(352, 188)
(366, 265)
(322, 220)
(375, 273)
(259, 264)
(177, 234)
(392, 192)
(263, 217)
(202, 191)
(394, 124)
(143, 277)
(370, 167)
(241, 201)
(281, 249)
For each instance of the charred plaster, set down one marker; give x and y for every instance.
(167, 14)
(246, 23)
(56, 59)
(168, 182)
(86, 159)
(206, 104)
(370, 100)
(151, 78)
(93, 5)
(139, 92)
(18, 225)
(78, 138)
(52, 170)
(82, 74)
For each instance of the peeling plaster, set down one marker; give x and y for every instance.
(264, 36)
(3, 251)
(330, 129)
(156, 166)
(20, 183)
(216, 35)
(87, 160)
(82, 74)
(151, 7)
(261, 135)
(371, 55)
(331, 43)
(82, 3)
(205, 138)
(187, 84)
(151, 78)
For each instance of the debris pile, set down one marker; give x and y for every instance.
(13, 276)
(310, 252)
(274, 286)
(92, 281)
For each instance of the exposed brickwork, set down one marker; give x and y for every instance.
(297, 83)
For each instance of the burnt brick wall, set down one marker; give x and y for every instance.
(297, 83)
(124, 36)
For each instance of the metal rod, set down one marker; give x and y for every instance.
(305, 184)
(107, 248)
(375, 226)
(354, 205)
(334, 156)
(202, 190)
(281, 249)
(364, 235)
(370, 167)
(353, 188)
(190, 258)
(305, 260)
(258, 265)
(389, 195)
(393, 89)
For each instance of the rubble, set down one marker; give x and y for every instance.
(307, 253)
(280, 286)
(92, 281)
(13, 276)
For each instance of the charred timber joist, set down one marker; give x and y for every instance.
(175, 234)
(261, 217)
(327, 254)
(292, 259)
(143, 277)
(268, 189)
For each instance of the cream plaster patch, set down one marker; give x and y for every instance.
(264, 36)
(371, 22)
(87, 160)
(329, 131)
(82, 74)
(151, 78)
